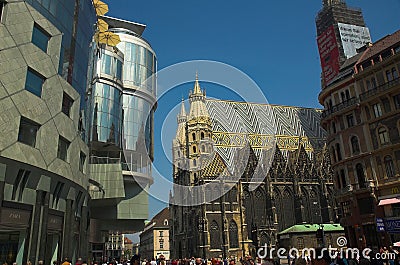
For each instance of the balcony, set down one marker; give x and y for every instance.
(374, 91)
(341, 106)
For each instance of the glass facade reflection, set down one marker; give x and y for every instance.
(106, 114)
(75, 18)
(139, 65)
(137, 133)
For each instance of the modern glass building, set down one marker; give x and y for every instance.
(121, 104)
(44, 53)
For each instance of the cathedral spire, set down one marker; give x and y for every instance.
(197, 102)
(197, 89)
(182, 114)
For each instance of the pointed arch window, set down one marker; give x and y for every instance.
(355, 146)
(260, 204)
(233, 235)
(389, 166)
(288, 209)
(215, 239)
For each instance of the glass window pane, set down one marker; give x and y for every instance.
(63, 146)
(34, 83)
(27, 132)
(40, 38)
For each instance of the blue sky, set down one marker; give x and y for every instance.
(274, 42)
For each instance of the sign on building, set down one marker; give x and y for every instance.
(329, 54)
(352, 38)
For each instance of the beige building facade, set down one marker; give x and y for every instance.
(361, 116)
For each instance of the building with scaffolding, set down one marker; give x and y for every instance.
(340, 31)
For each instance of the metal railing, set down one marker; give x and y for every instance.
(341, 106)
(379, 89)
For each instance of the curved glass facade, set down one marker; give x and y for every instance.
(140, 64)
(75, 18)
(137, 133)
(111, 66)
(106, 114)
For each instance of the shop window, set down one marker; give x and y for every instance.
(63, 145)
(377, 110)
(355, 145)
(27, 132)
(34, 82)
(389, 166)
(350, 120)
(40, 37)
(383, 135)
(66, 104)
(82, 161)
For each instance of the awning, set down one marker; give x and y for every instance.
(389, 201)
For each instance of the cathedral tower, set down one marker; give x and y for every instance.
(199, 131)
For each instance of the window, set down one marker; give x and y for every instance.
(66, 104)
(203, 148)
(350, 120)
(194, 162)
(389, 167)
(360, 176)
(343, 178)
(215, 239)
(161, 243)
(333, 154)
(383, 135)
(377, 110)
(386, 105)
(40, 37)
(161, 233)
(194, 136)
(355, 145)
(396, 100)
(63, 146)
(395, 74)
(334, 127)
(339, 153)
(82, 160)
(34, 82)
(202, 136)
(233, 235)
(346, 208)
(27, 132)
(300, 242)
(194, 149)
(165, 222)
